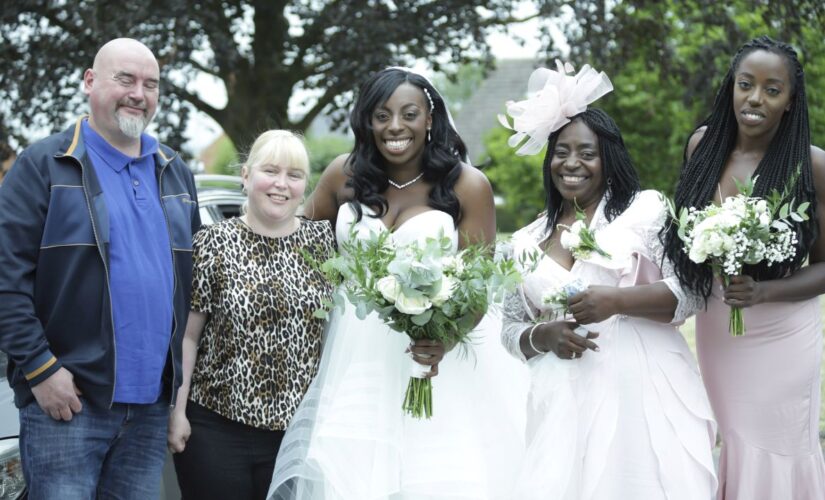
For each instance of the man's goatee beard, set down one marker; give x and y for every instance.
(132, 126)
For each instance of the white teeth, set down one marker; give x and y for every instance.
(572, 178)
(752, 116)
(397, 145)
(278, 197)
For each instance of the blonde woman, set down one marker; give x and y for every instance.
(252, 345)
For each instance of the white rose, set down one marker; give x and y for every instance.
(412, 305)
(570, 240)
(448, 285)
(717, 244)
(578, 227)
(697, 254)
(389, 288)
(761, 206)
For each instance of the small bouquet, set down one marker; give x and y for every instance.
(742, 230)
(579, 239)
(556, 298)
(425, 290)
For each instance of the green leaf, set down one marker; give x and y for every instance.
(423, 318)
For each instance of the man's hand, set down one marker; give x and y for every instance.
(58, 396)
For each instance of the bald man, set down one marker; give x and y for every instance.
(96, 229)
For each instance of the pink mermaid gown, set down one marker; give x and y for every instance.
(764, 388)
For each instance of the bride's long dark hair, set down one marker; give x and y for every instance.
(440, 162)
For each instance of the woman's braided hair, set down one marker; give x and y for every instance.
(789, 148)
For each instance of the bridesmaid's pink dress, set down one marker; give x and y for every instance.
(764, 388)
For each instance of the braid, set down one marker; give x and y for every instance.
(789, 148)
(617, 167)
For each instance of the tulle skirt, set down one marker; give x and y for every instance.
(350, 439)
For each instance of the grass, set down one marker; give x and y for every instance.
(689, 331)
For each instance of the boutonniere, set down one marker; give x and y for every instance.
(579, 239)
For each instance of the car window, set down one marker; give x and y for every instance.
(229, 211)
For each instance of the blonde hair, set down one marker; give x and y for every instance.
(282, 147)
(276, 147)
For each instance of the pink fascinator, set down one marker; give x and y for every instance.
(552, 98)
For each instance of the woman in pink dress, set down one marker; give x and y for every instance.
(764, 387)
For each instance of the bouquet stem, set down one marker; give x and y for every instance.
(418, 401)
(736, 324)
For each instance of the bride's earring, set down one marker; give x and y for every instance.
(429, 136)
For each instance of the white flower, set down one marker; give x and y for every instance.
(697, 254)
(722, 220)
(453, 264)
(570, 240)
(715, 243)
(389, 288)
(764, 219)
(761, 206)
(578, 227)
(412, 305)
(448, 285)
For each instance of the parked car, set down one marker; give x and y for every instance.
(219, 197)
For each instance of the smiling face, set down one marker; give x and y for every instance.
(123, 89)
(762, 93)
(576, 165)
(275, 191)
(400, 125)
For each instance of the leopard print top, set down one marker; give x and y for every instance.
(261, 345)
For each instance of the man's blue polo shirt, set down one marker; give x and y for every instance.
(141, 278)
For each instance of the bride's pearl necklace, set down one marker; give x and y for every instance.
(408, 183)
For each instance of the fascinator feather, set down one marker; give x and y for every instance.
(553, 97)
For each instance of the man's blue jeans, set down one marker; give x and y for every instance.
(100, 453)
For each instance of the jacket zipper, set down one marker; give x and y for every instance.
(106, 270)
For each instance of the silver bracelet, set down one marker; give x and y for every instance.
(530, 338)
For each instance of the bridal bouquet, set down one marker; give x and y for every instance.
(742, 230)
(424, 290)
(579, 239)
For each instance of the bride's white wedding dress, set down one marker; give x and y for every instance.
(350, 439)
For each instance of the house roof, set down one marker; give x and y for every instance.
(508, 82)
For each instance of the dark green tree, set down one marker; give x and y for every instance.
(264, 52)
(665, 60)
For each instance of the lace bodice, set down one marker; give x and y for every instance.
(634, 232)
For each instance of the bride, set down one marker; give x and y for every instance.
(350, 439)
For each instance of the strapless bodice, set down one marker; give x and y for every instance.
(429, 224)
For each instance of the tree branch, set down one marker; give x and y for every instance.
(507, 20)
(219, 115)
(200, 67)
(328, 97)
